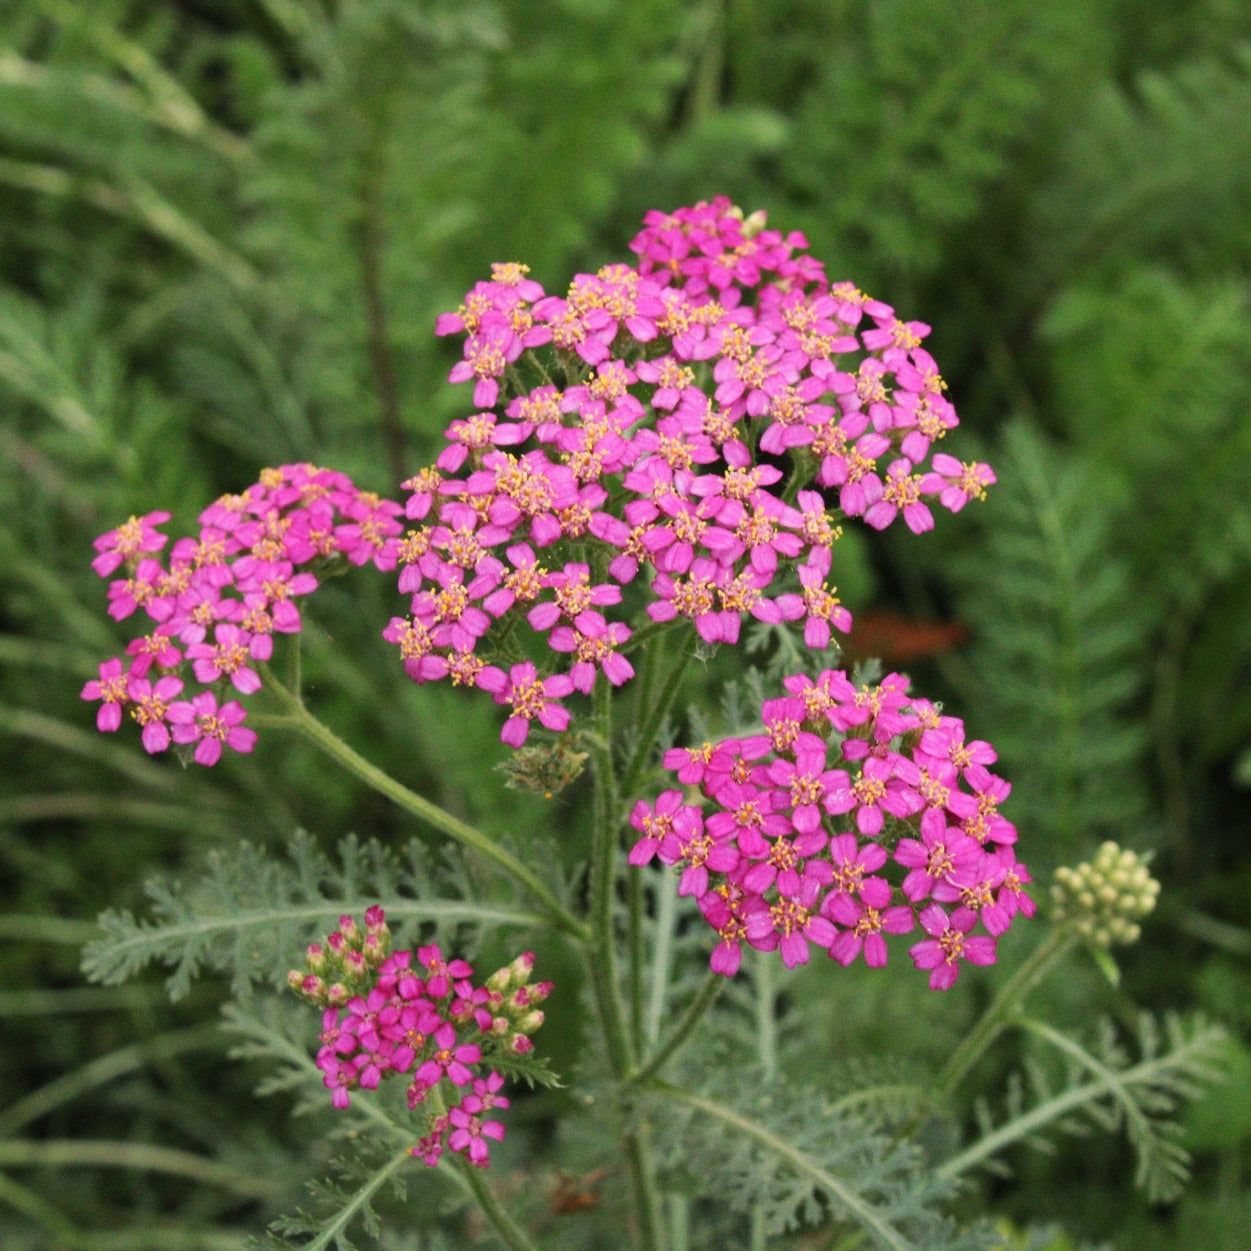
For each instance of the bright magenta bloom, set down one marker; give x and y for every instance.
(113, 688)
(772, 863)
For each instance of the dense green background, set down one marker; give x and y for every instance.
(225, 231)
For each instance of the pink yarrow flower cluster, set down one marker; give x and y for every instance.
(858, 813)
(706, 416)
(213, 606)
(418, 1015)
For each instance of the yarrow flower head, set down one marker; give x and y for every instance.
(859, 814)
(662, 419)
(213, 607)
(387, 1013)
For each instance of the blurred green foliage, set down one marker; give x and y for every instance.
(227, 228)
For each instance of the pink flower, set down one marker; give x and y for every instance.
(866, 924)
(129, 541)
(949, 943)
(944, 854)
(227, 658)
(200, 721)
(151, 707)
(529, 696)
(790, 926)
(901, 493)
(469, 1135)
(450, 1060)
(111, 687)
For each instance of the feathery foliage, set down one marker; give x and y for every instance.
(1104, 1086)
(783, 1151)
(248, 914)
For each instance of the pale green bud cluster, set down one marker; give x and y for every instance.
(1104, 899)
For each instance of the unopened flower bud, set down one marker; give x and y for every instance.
(1103, 899)
(530, 1022)
(348, 927)
(522, 967)
(375, 948)
(540, 991)
(337, 995)
(312, 987)
(375, 917)
(295, 979)
(499, 980)
(520, 1045)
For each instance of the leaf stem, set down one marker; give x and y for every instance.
(998, 1015)
(320, 734)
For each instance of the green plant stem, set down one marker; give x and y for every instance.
(475, 1183)
(767, 1045)
(645, 634)
(503, 1224)
(654, 718)
(682, 1031)
(662, 957)
(98, 1072)
(634, 904)
(602, 967)
(320, 734)
(999, 1014)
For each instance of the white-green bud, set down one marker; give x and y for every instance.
(1104, 898)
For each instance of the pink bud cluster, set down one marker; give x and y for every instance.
(796, 829)
(419, 1015)
(216, 605)
(692, 386)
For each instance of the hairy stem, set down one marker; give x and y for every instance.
(998, 1015)
(601, 960)
(682, 1031)
(320, 734)
(509, 1231)
(654, 719)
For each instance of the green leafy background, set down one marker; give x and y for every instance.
(226, 228)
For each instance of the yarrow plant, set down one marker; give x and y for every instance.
(667, 449)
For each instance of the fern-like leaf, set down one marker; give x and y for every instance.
(784, 1151)
(1103, 1087)
(250, 915)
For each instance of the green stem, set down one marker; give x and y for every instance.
(503, 1224)
(654, 718)
(76, 1154)
(662, 956)
(645, 634)
(634, 901)
(601, 960)
(320, 734)
(767, 1044)
(682, 1031)
(998, 1015)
